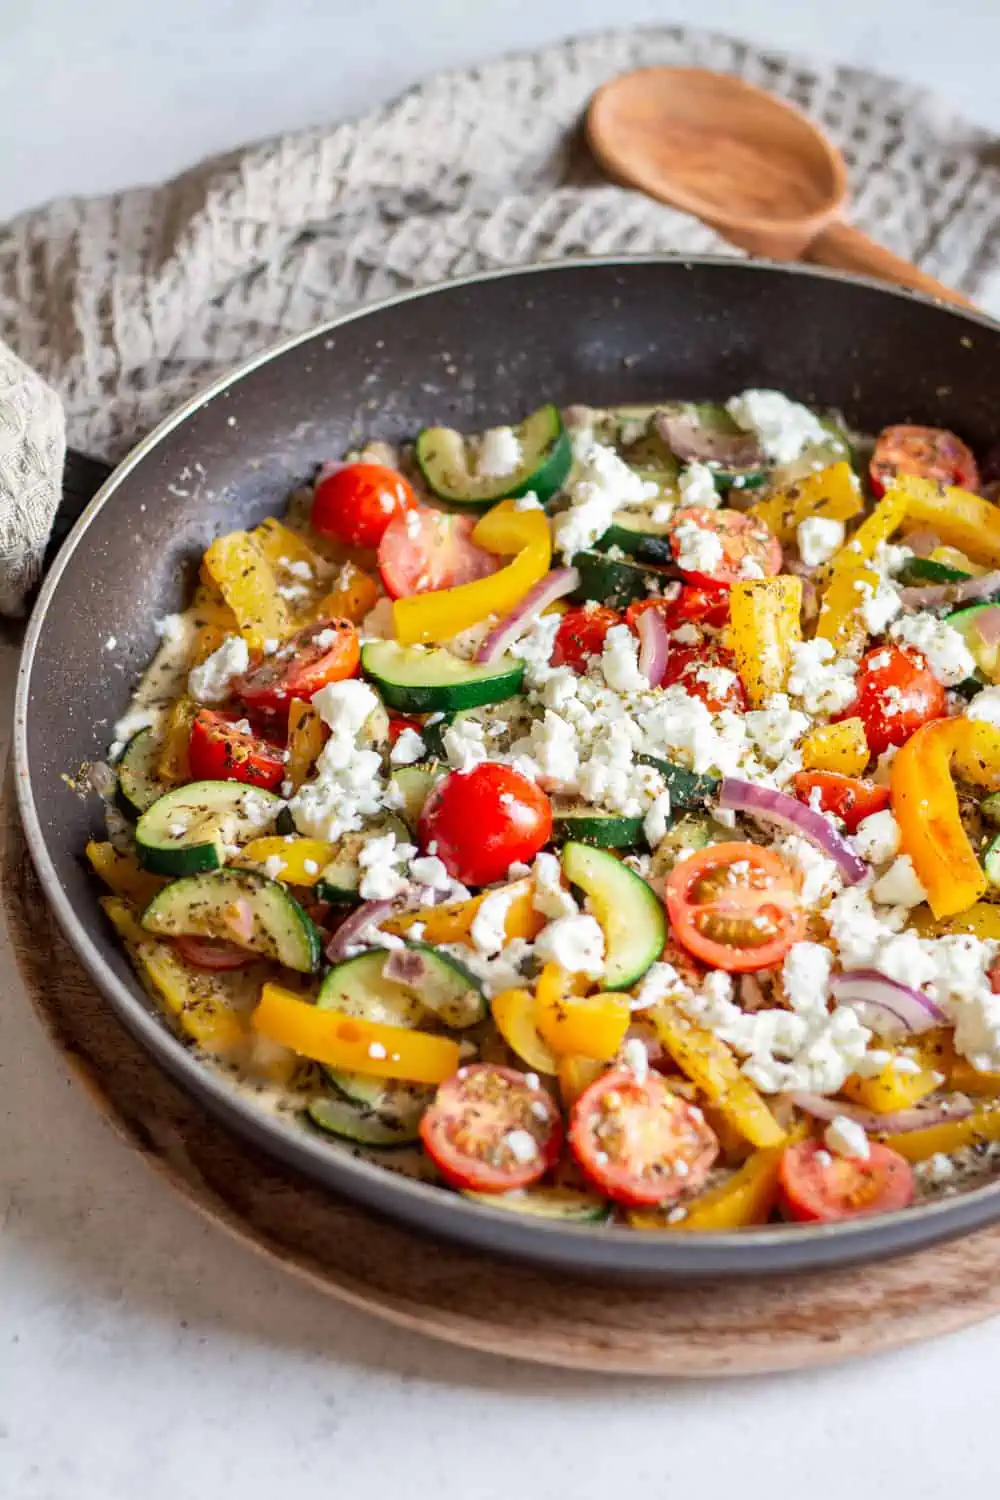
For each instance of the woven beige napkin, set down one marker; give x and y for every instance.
(126, 304)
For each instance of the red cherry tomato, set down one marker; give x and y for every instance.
(491, 1130)
(749, 548)
(323, 653)
(848, 798)
(425, 550)
(356, 502)
(735, 906)
(581, 635)
(929, 452)
(213, 953)
(896, 693)
(639, 1143)
(482, 821)
(398, 723)
(700, 672)
(816, 1186)
(219, 750)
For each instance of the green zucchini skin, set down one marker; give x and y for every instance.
(547, 458)
(138, 784)
(185, 831)
(198, 906)
(630, 911)
(419, 680)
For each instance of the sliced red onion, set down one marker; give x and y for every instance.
(908, 1011)
(987, 625)
(406, 966)
(545, 592)
(687, 436)
(968, 591)
(787, 812)
(350, 931)
(957, 1107)
(654, 645)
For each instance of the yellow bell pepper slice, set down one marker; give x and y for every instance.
(976, 756)
(832, 493)
(966, 1079)
(885, 519)
(354, 593)
(590, 1026)
(981, 920)
(343, 1041)
(281, 546)
(173, 766)
(952, 558)
(742, 1200)
(575, 1075)
(963, 520)
(206, 1006)
(439, 615)
(765, 622)
(840, 620)
(890, 1089)
(839, 747)
(246, 581)
(123, 874)
(452, 922)
(951, 1135)
(296, 854)
(213, 620)
(708, 1062)
(305, 741)
(925, 805)
(514, 1013)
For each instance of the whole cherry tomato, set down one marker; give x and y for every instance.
(355, 503)
(481, 821)
(896, 693)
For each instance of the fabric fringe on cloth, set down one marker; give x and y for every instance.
(126, 304)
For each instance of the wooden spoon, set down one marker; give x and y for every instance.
(753, 167)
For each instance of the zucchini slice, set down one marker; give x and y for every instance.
(138, 784)
(918, 570)
(398, 1104)
(636, 533)
(990, 809)
(443, 986)
(355, 1123)
(240, 906)
(610, 581)
(338, 881)
(546, 457)
(423, 679)
(991, 862)
(590, 825)
(567, 1204)
(689, 790)
(413, 785)
(186, 831)
(629, 910)
(985, 654)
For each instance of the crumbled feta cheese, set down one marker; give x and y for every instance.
(528, 501)
(273, 866)
(489, 926)
(696, 549)
(171, 629)
(805, 976)
(499, 453)
(776, 729)
(522, 1145)
(879, 606)
(657, 820)
(750, 568)
(575, 943)
(942, 646)
(783, 427)
(845, 1137)
(212, 680)
(310, 866)
(824, 682)
(877, 838)
(697, 486)
(382, 861)
(257, 808)
(620, 661)
(464, 744)
(348, 785)
(550, 751)
(550, 898)
(408, 749)
(605, 484)
(131, 722)
(636, 1058)
(819, 537)
(820, 875)
(936, 1169)
(297, 568)
(985, 706)
(899, 886)
(504, 972)
(560, 688)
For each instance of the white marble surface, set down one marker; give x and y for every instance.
(142, 1352)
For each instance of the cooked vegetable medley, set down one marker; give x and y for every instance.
(599, 816)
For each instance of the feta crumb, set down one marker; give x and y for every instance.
(575, 943)
(937, 1168)
(310, 866)
(408, 749)
(985, 706)
(489, 926)
(941, 645)
(111, 643)
(528, 501)
(877, 838)
(430, 871)
(783, 427)
(522, 1145)
(273, 866)
(824, 682)
(899, 886)
(819, 538)
(696, 549)
(605, 484)
(845, 1137)
(657, 820)
(212, 680)
(776, 729)
(636, 1058)
(697, 486)
(376, 1050)
(620, 661)
(499, 453)
(551, 898)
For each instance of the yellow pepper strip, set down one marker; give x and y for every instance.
(295, 854)
(173, 766)
(452, 922)
(925, 805)
(886, 517)
(514, 1013)
(354, 593)
(889, 1089)
(342, 1041)
(205, 1005)
(968, 1080)
(708, 1062)
(439, 615)
(963, 520)
(592, 1026)
(832, 493)
(764, 618)
(213, 621)
(746, 1198)
(305, 741)
(976, 756)
(981, 920)
(123, 874)
(575, 1075)
(952, 558)
(840, 619)
(281, 545)
(839, 747)
(247, 583)
(951, 1135)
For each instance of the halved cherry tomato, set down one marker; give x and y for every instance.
(491, 1130)
(581, 635)
(815, 1185)
(749, 548)
(398, 723)
(482, 821)
(929, 452)
(356, 502)
(425, 550)
(692, 604)
(896, 693)
(847, 797)
(213, 953)
(322, 653)
(699, 669)
(638, 1142)
(220, 750)
(735, 906)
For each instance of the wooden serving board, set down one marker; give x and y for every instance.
(705, 1329)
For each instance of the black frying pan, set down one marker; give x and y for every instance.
(470, 354)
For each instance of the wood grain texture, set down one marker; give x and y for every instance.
(706, 1329)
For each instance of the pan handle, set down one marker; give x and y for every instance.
(82, 478)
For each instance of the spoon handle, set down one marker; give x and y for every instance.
(847, 249)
